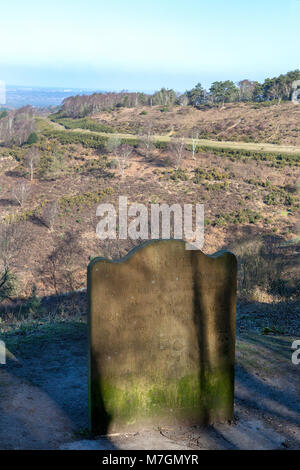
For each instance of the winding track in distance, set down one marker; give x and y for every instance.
(254, 147)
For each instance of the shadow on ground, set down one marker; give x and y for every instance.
(43, 397)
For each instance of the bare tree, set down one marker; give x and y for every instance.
(64, 265)
(146, 138)
(178, 147)
(194, 138)
(12, 238)
(8, 237)
(183, 100)
(21, 192)
(32, 159)
(50, 214)
(16, 127)
(124, 153)
(113, 143)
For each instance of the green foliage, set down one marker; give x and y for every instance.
(8, 285)
(277, 159)
(280, 88)
(3, 114)
(49, 163)
(66, 203)
(224, 92)
(113, 164)
(85, 139)
(258, 92)
(33, 307)
(254, 182)
(273, 330)
(217, 186)
(161, 145)
(20, 217)
(179, 175)
(131, 141)
(279, 196)
(83, 123)
(32, 139)
(238, 217)
(86, 199)
(113, 143)
(196, 95)
(212, 174)
(268, 93)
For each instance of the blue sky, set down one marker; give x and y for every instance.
(144, 45)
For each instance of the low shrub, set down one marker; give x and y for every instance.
(161, 145)
(83, 123)
(32, 139)
(87, 140)
(84, 199)
(238, 217)
(3, 114)
(179, 175)
(33, 307)
(211, 174)
(276, 159)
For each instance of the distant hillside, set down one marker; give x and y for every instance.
(276, 123)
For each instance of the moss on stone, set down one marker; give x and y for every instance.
(188, 396)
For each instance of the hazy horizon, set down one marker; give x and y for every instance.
(206, 85)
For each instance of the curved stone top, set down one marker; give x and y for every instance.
(169, 242)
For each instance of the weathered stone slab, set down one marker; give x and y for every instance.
(161, 337)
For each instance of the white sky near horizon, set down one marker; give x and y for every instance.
(144, 45)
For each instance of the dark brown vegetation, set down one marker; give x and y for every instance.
(251, 198)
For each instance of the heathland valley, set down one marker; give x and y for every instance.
(234, 148)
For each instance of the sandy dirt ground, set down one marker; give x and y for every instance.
(43, 397)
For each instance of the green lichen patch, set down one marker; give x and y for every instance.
(189, 397)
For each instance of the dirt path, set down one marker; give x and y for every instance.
(43, 397)
(248, 146)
